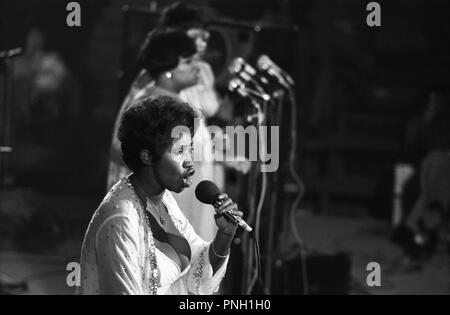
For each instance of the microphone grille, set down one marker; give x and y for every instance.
(264, 62)
(233, 85)
(235, 65)
(206, 192)
(236, 85)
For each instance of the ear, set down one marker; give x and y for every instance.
(145, 157)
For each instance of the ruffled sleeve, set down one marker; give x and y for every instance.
(117, 248)
(201, 279)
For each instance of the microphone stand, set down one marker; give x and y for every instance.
(275, 119)
(252, 189)
(263, 104)
(270, 183)
(250, 280)
(260, 102)
(6, 287)
(5, 112)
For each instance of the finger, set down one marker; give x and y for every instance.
(218, 203)
(224, 204)
(234, 212)
(221, 199)
(237, 213)
(229, 208)
(224, 218)
(220, 217)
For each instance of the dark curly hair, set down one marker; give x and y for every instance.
(163, 49)
(149, 125)
(181, 16)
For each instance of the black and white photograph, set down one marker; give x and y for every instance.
(239, 150)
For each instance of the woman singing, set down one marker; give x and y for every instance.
(138, 240)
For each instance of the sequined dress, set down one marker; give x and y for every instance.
(120, 256)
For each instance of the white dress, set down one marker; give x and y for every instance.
(120, 256)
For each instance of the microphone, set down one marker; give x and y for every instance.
(247, 72)
(207, 192)
(236, 85)
(238, 64)
(266, 64)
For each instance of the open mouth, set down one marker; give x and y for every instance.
(187, 181)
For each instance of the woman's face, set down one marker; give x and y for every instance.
(175, 167)
(186, 74)
(201, 37)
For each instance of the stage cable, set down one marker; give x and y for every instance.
(301, 190)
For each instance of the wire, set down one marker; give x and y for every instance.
(246, 250)
(301, 188)
(255, 236)
(257, 278)
(258, 260)
(263, 188)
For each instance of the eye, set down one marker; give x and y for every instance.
(180, 151)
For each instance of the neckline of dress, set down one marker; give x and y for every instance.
(172, 217)
(127, 181)
(181, 272)
(144, 204)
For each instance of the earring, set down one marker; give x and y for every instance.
(168, 75)
(148, 160)
(145, 158)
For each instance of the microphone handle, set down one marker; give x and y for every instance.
(286, 76)
(264, 96)
(279, 77)
(239, 221)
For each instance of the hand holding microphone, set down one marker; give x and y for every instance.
(227, 214)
